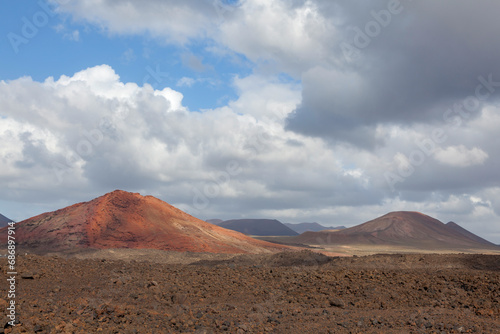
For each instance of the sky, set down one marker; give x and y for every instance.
(323, 111)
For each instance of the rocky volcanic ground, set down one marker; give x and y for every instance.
(283, 293)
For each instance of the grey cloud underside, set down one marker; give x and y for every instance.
(326, 165)
(428, 58)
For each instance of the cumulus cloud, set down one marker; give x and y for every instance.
(413, 67)
(264, 98)
(460, 156)
(294, 35)
(92, 132)
(171, 21)
(417, 101)
(413, 70)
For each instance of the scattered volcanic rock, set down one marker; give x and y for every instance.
(128, 220)
(4, 221)
(258, 227)
(369, 294)
(313, 227)
(403, 228)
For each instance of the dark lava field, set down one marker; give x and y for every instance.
(301, 292)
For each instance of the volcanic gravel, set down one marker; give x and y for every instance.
(283, 293)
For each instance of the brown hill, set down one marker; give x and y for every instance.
(128, 220)
(258, 227)
(468, 234)
(214, 221)
(313, 227)
(403, 228)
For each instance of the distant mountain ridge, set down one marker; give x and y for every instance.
(258, 227)
(312, 227)
(214, 221)
(4, 221)
(467, 233)
(402, 228)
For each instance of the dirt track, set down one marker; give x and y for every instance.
(255, 294)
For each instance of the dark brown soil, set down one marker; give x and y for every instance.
(282, 293)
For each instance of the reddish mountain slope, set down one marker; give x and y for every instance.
(402, 228)
(128, 220)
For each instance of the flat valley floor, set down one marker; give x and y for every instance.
(300, 292)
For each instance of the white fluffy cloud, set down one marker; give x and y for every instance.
(264, 98)
(460, 156)
(319, 150)
(295, 35)
(90, 133)
(171, 21)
